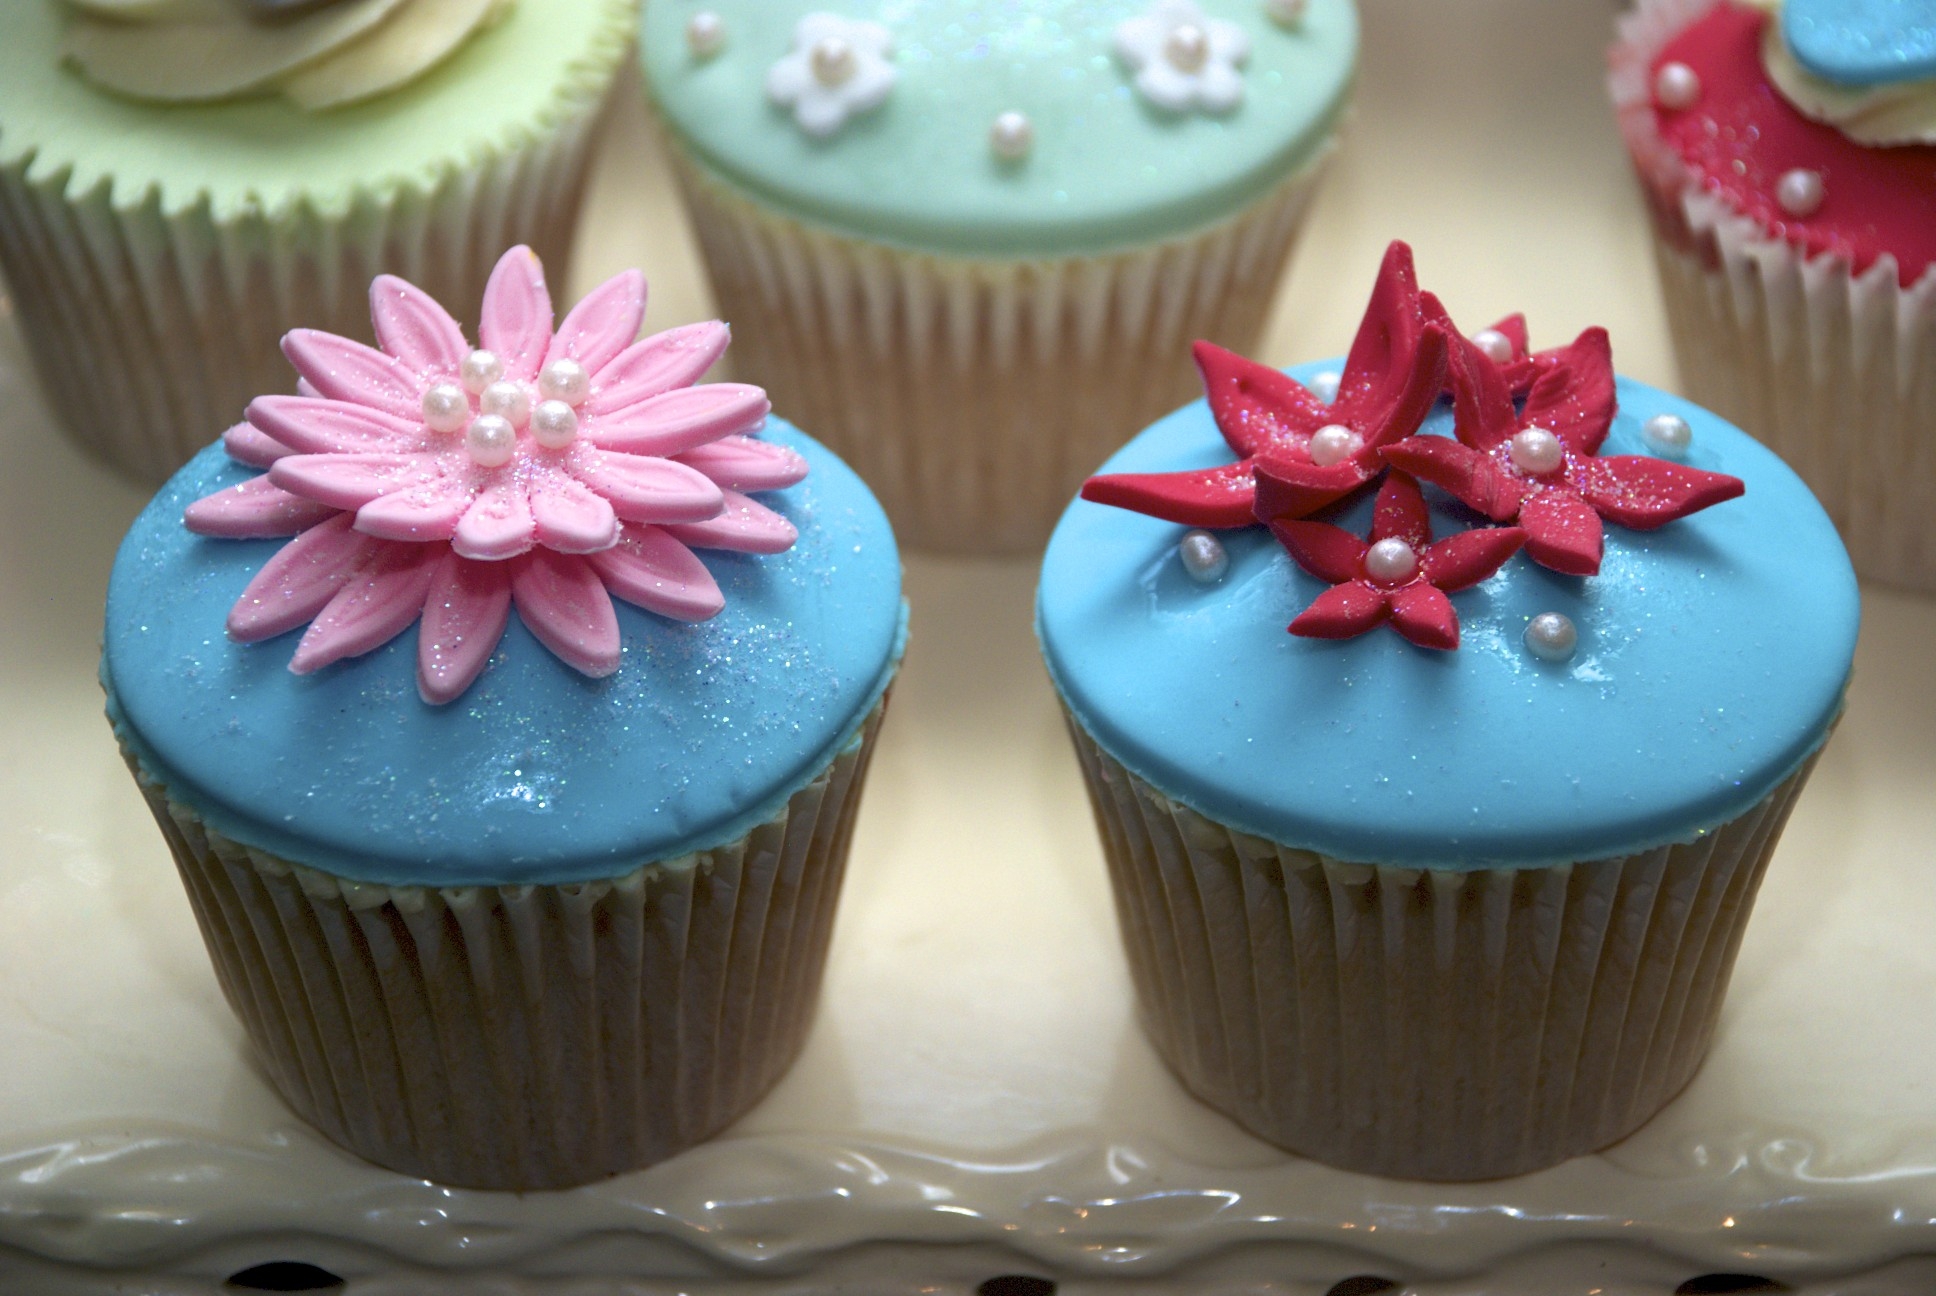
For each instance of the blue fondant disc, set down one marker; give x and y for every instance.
(1863, 42)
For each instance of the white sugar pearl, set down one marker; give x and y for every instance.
(1551, 637)
(1667, 434)
(1497, 346)
(1800, 192)
(480, 370)
(446, 408)
(705, 34)
(1324, 386)
(554, 424)
(833, 61)
(1391, 560)
(565, 380)
(1012, 136)
(1203, 556)
(1187, 48)
(1537, 451)
(510, 401)
(491, 440)
(1286, 13)
(1677, 87)
(1334, 444)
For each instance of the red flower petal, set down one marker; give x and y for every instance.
(1482, 405)
(1470, 475)
(1400, 513)
(1575, 399)
(1343, 612)
(1255, 405)
(1327, 552)
(1513, 329)
(1207, 497)
(1412, 400)
(1382, 352)
(1289, 487)
(1424, 615)
(1640, 492)
(1462, 561)
(1562, 532)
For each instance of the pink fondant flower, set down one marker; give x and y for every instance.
(1399, 575)
(1541, 466)
(545, 470)
(1298, 454)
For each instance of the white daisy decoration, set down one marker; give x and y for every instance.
(1183, 61)
(838, 67)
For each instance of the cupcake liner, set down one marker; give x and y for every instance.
(151, 330)
(1836, 372)
(1427, 1024)
(528, 1037)
(975, 395)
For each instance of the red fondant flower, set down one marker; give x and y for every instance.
(1541, 467)
(1298, 454)
(1399, 575)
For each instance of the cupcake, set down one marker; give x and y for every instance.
(985, 235)
(540, 890)
(1788, 157)
(181, 183)
(1446, 882)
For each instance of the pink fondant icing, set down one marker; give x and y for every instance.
(1741, 136)
(395, 521)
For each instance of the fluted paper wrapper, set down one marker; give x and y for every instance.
(974, 396)
(151, 332)
(1425, 1024)
(534, 1036)
(1836, 372)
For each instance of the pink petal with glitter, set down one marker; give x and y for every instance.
(422, 513)
(680, 420)
(252, 446)
(312, 426)
(1643, 493)
(1424, 615)
(349, 481)
(564, 603)
(1343, 612)
(411, 326)
(650, 568)
(570, 517)
(665, 361)
(498, 525)
(306, 388)
(464, 615)
(1462, 561)
(744, 526)
(515, 324)
(300, 580)
(340, 369)
(647, 490)
(603, 324)
(1562, 532)
(1575, 400)
(1327, 552)
(374, 607)
(744, 464)
(256, 509)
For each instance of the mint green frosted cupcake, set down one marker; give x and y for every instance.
(183, 181)
(985, 235)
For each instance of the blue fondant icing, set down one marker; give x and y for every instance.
(1862, 42)
(1712, 660)
(536, 774)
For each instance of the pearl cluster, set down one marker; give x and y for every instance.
(504, 407)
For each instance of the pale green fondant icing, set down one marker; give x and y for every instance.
(526, 73)
(1106, 168)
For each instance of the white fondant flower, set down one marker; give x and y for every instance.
(837, 67)
(1183, 60)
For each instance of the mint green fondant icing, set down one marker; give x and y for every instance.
(1106, 169)
(543, 63)
(537, 774)
(1713, 655)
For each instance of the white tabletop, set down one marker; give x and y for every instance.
(976, 1098)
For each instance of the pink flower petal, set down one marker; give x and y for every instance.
(421, 513)
(372, 608)
(1327, 552)
(306, 388)
(312, 426)
(1461, 561)
(665, 361)
(1424, 615)
(647, 490)
(252, 446)
(498, 525)
(1643, 493)
(1562, 532)
(570, 517)
(744, 526)
(744, 464)
(349, 481)
(653, 570)
(603, 324)
(340, 369)
(411, 326)
(464, 616)
(300, 580)
(563, 602)
(1256, 406)
(256, 509)
(681, 420)
(1400, 514)
(1206, 497)
(1343, 612)
(515, 325)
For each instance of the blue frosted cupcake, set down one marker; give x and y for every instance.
(519, 864)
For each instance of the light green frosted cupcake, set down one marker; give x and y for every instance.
(985, 234)
(183, 181)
